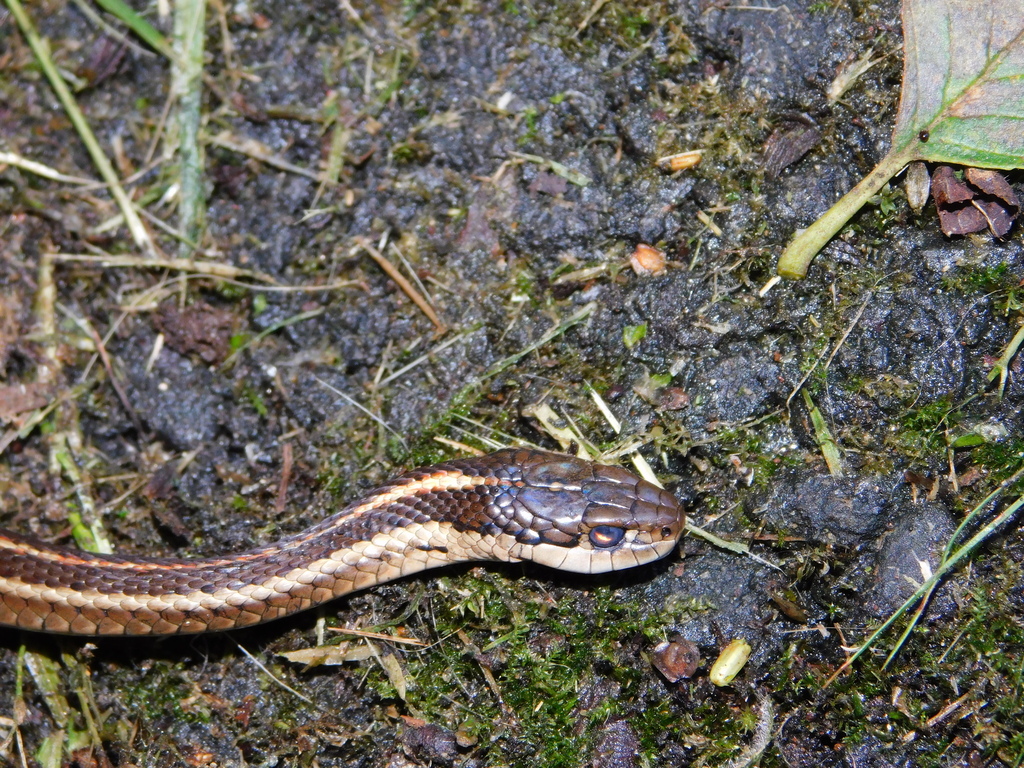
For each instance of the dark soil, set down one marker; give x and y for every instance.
(437, 105)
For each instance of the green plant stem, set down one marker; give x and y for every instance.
(1002, 366)
(823, 436)
(187, 68)
(796, 259)
(41, 49)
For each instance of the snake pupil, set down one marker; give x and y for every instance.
(666, 532)
(605, 536)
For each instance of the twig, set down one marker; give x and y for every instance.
(407, 288)
(270, 674)
(255, 150)
(378, 636)
(211, 268)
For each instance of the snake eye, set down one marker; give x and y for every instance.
(666, 532)
(606, 536)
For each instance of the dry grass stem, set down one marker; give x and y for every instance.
(44, 171)
(257, 151)
(400, 280)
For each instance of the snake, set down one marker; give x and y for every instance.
(517, 504)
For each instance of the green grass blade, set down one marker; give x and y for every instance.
(138, 25)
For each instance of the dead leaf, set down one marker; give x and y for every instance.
(787, 144)
(19, 398)
(986, 199)
(198, 329)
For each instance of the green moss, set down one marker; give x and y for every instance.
(921, 431)
(980, 279)
(160, 692)
(542, 656)
(255, 399)
(530, 115)
(1002, 459)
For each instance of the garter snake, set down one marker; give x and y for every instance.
(512, 505)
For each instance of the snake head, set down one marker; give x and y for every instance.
(584, 517)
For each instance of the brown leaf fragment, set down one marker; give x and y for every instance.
(961, 221)
(993, 184)
(549, 184)
(948, 189)
(787, 144)
(19, 398)
(198, 329)
(998, 218)
(789, 607)
(996, 199)
(986, 200)
(953, 200)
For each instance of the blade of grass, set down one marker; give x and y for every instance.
(138, 25)
(944, 568)
(979, 508)
(267, 331)
(823, 436)
(41, 48)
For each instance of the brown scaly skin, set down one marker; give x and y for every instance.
(515, 504)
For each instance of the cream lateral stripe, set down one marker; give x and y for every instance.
(448, 480)
(344, 568)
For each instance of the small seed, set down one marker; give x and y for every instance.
(729, 662)
(647, 260)
(680, 161)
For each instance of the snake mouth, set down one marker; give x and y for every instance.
(636, 548)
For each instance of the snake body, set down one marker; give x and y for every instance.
(512, 505)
